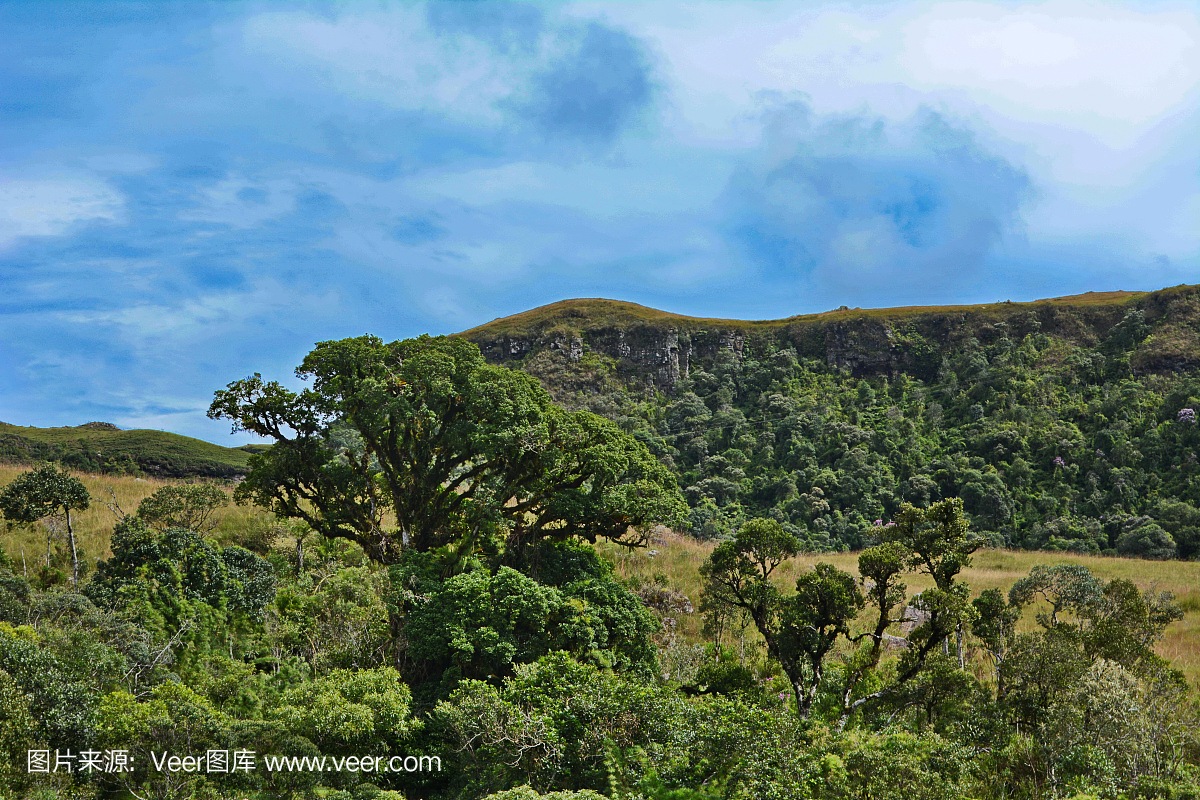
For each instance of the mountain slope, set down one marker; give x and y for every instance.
(1065, 423)
(657, 347)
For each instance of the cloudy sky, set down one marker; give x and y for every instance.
(193, 192)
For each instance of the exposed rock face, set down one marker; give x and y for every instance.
(660, 356)
(656, 357)
(653, 350)
(860, 348)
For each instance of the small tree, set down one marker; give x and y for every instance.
(187, 506)
(44, 492)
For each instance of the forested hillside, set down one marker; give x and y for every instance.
(1065, 424)
(441, 574)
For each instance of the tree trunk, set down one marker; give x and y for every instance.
(74, 552)
(399, 643)
(958, 633)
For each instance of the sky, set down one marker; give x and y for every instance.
(191, 193)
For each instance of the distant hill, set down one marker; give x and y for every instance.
(103, 447)
(1069, 423)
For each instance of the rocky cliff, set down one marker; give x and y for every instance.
(574, 344)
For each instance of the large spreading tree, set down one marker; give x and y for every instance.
(422, 445)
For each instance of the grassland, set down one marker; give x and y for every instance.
(111, 495)
(588, 314)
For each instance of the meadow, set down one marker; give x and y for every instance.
(112, 496)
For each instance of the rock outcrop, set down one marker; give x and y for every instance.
(581, 341)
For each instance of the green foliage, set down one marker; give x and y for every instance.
(479, 624)
(554, 725)
(1052, 421)
(1086, 626)
(901, 766)
(936, 539)
(42, 492)
(46, 491)
(172, 718)
(802, 629)
(456, 451)
(178, 565)
(1146, 539)
(994, 624)
(59, 701)
(333, 618)
(1080, 705)
(525, 793)
(188, 506)
(346, 711)
(14, 598)
(19, 729)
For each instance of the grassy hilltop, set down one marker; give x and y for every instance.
(101, 447)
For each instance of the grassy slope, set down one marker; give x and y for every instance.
(155, 452)
(679, 559)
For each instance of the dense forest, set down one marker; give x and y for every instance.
(429, 576)
(1062, 425)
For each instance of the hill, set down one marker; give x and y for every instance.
(657, 347)
(102, 447)
(1067, 423)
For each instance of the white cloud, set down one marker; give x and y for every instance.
(1098, 101)
(1106, 69)
(387, 56)
(50, 206)
(203, 317)
(1110, 70)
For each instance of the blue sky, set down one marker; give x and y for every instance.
(193, 192)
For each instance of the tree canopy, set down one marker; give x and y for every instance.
(189, 506)
(421, 444)
(802, 629)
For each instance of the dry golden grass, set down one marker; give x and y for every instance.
(93, 527)
(678, 559)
